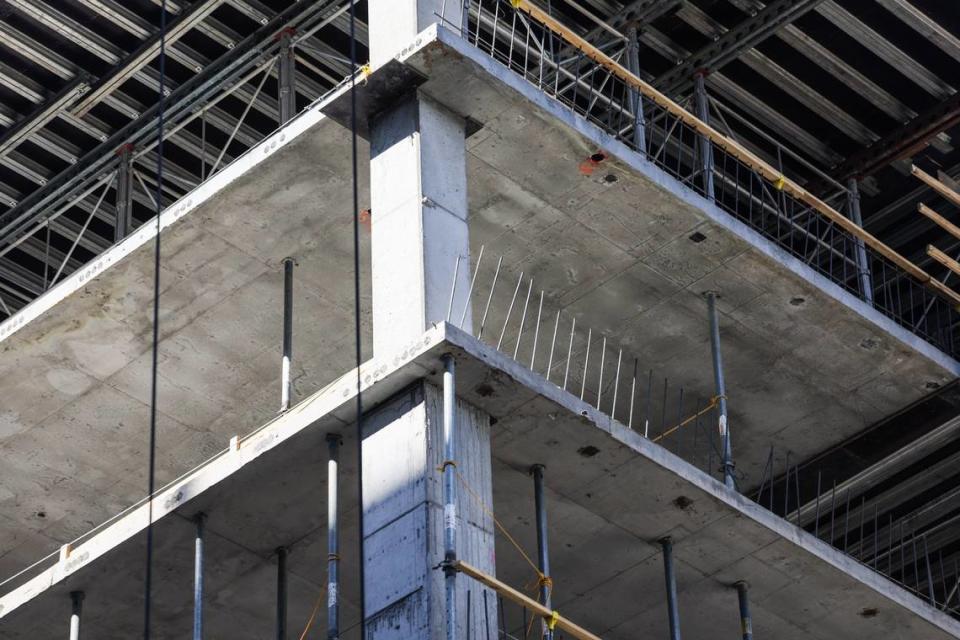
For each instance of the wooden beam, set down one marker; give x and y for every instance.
(945, 224)
(524, 601)
(943, 259)
(936, 185)
(732, 147)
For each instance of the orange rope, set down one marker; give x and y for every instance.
(313, 615)
(714, 401)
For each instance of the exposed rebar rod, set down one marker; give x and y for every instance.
(333, 536)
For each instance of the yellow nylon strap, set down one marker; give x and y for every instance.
(552, 620)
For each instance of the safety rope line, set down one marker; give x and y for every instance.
(542, 580)
(714, 401)
(313, 614)
(356, 305)
(155, 342)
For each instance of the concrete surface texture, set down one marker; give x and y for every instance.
(610, 494)
(805, 366)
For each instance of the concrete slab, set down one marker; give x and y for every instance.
(606, 510)
(803, 357)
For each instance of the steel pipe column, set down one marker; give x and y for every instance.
(746, 621)
(76, 600)
(542, 544)
(636, 99)
(721, 390)
(670, 577)
(450, 493)
(287, 77)
(282, 593)
(333, 536)
(199, 521)
(286, 384)
(124, 205)
(706, 147)
(863, 263)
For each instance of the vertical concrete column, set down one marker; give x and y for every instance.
(405, 521)
(124, 205)
(418, 185)
(394, 23)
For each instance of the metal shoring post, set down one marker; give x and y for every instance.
(287, 77)
(863, 265)
(286, 384)
(721, 388)
(199, 521)
(449, 493)
(124, 206)
(671, 582)
(542, 545)
(636, 100)
(282, 593)
(76, 600)
(706, 147)
(746, 620)
(333, 536)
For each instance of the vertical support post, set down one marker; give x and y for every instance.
(282, 593)
(670, 577)
(706, 147)
(124, 205)
(863, 264)
(746, 621)
(287, 76)
(449, 493)
(199, 520)
(542, 544)
(721, 389)
(286, 385)
(636, 99)
(333, 536)
(76, 600)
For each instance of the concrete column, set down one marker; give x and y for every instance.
(418, 185)
(404, 517)
(393, 24)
